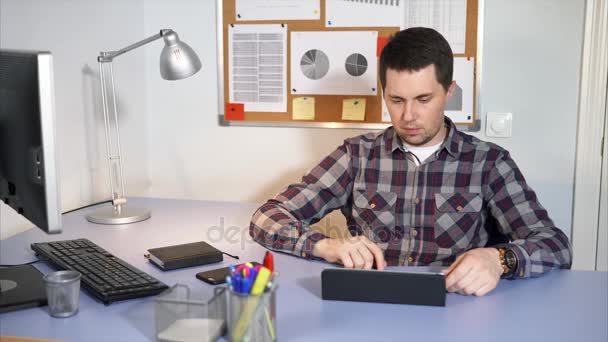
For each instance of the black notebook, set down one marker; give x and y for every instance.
(21, 287)
(185, 255)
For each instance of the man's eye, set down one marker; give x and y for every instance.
(396, 100)
(424, 100)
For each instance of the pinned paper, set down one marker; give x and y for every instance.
(234, 111)
(303, 108)
(386, 115)
(353, 109)
(380, 44)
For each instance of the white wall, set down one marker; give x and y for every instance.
(532, 55)
(190, 155)
(75, 32)
(175, 148)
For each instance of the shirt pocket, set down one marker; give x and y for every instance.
(456, 217)
(374, 212)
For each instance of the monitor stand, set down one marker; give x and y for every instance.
(21, 287)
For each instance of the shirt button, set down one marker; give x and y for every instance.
(459, 208)
(373, 205)
(410, 259)
(414, 232)
(417, 200)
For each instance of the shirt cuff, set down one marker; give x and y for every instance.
(306, 243)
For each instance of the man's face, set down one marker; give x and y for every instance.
(415, 101)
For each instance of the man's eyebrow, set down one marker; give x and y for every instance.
(424, 95)
(418, 97)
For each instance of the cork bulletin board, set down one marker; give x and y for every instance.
(328, 110)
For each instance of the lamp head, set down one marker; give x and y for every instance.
(177, 60)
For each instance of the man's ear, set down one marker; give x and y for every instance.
(451, 89)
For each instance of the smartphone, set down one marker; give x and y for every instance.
(218, 276)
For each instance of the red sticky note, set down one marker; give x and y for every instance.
(381, 43)
(234, 111)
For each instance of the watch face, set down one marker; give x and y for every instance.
(511, 259)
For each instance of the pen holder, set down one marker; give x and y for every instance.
(182, 316)
(252, 317)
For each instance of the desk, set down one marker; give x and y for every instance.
(560, 306)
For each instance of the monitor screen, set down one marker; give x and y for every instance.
(28, 166)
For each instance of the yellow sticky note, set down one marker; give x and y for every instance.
(353, 109)
(303, 108)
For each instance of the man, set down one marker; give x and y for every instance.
(420, 192)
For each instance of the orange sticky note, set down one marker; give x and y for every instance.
(303, 108)
(234, 111)
(353, 109)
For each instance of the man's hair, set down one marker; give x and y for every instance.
(416, 48)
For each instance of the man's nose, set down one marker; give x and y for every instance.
(408, 112)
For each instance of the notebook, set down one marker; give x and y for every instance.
(184, 255)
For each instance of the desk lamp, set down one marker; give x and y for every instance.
(177, 61)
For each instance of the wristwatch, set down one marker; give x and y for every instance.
(508, 260)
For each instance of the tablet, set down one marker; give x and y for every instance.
(397, 287)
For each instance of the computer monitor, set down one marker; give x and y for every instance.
(28, 166)
(28, 156)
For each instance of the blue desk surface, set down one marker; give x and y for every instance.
(560, 306)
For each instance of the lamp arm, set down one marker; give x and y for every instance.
(108, 56)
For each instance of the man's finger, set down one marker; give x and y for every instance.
(461, 270)
(377, 253)
(358, 261)
(474, 287)
(346, 260)
(484, 290)
(465, 281)
(367, 256)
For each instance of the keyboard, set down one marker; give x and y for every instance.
(104, 275)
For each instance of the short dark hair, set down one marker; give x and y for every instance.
(416, 48)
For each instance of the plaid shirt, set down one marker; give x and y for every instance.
(468, 194)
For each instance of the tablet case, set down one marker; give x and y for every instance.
(184, 255)
(383, 286)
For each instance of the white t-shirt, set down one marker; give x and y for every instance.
(422, 153)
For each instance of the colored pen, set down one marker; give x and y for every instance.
(238, 283)
(260, 281)
(269, 261)
(239, 268)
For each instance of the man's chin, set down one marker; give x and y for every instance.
(415, 140)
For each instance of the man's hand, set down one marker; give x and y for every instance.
(476, 272)
(352, 252)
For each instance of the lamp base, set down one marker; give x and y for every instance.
(126, 215)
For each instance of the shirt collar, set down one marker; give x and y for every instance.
(451, 144)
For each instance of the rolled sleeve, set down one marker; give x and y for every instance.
(284, 222)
